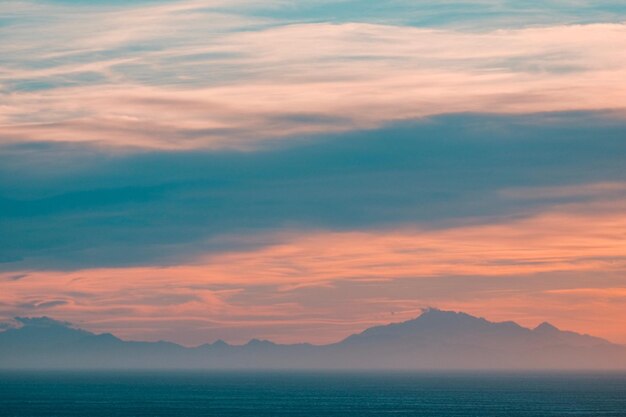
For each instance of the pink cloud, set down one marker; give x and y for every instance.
(312, 78)
(258, 292)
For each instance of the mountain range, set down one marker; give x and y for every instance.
(435, 340)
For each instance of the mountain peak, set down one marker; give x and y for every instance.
(259, 342)
(546, 327)
(43, 321)
(434, 314)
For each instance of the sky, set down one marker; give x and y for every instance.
(297, 171)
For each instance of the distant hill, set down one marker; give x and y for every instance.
(435, 340)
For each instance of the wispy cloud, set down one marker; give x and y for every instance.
(265, 285)
(190, 75)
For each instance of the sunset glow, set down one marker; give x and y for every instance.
(199, 170)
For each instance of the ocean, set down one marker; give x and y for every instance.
(323, 394)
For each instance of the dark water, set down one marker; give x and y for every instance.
(311, 394)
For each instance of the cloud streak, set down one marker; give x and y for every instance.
(169, 77)
(264, 286)
(72, 207)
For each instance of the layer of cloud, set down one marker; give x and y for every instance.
(196, 75)
(71, 207)
(469, 14)
(572, 251)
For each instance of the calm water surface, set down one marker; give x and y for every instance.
(310, 394)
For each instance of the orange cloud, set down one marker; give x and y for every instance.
(311, 78)
(259, 289)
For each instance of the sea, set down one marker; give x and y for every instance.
(306, 394)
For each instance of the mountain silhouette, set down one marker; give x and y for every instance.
(435, 340)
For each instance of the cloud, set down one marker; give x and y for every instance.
(73, 207)
(578, 191)
(473, 14)
(16, 277)
(564, 252)
(560, 242)
(42, 304)
(610, 293)
(187, 75)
